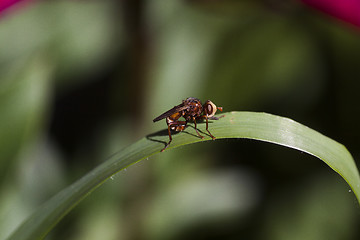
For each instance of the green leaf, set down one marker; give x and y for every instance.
(259, 126)
(24, 98)
(77, 37)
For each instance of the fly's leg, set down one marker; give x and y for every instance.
(207, 123)
(207, 128)
(176, 126)
(194, 120)
(170, 139)
(215, 118)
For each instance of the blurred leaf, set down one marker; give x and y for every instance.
(35, 178)
(182, 60)
(77, 36)
(304, 213)
(202, 198)
(258, 126)
(25, 87)
(24, 92)
(266, 59)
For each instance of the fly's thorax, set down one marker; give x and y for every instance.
(195, 108)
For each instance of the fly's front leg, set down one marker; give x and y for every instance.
(194, 120)
(175, 126)
(216, 118)
(207, 127)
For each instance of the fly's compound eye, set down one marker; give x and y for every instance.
(210, 108)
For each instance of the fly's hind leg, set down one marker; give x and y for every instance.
(176, 126)
(170, 139)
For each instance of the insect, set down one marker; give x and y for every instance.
(192, 110)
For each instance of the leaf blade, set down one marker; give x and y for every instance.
(251, 125)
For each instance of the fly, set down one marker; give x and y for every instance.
(192, 110)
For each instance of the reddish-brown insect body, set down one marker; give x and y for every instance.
(191, 109)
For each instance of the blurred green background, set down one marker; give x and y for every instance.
(80, 80)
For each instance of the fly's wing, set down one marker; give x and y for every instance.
(175, 109)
